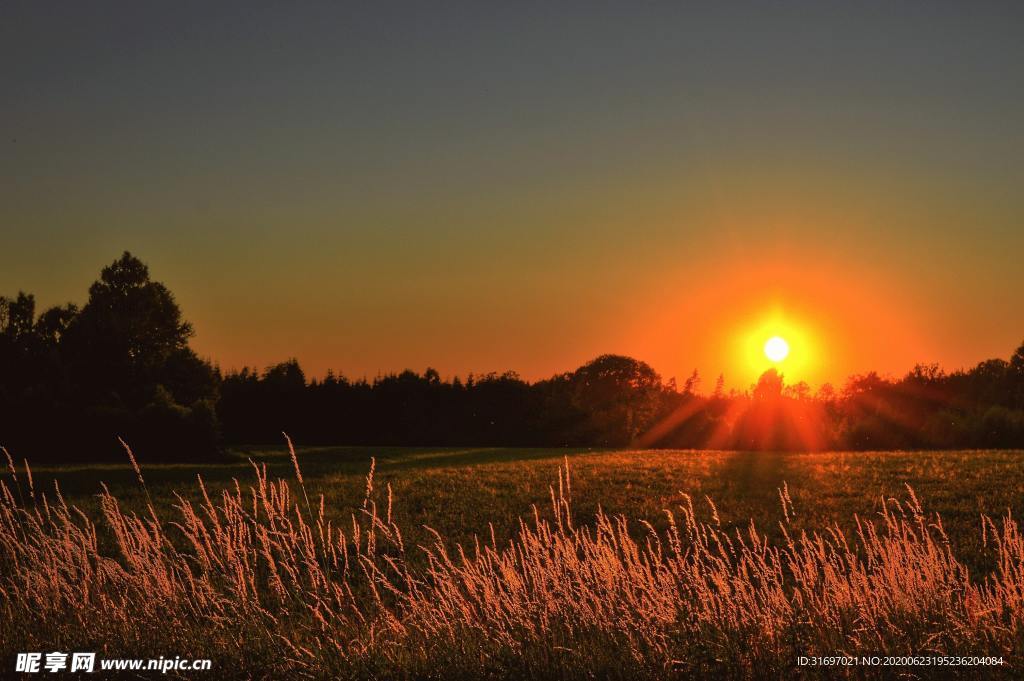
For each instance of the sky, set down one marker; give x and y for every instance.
(488, 186)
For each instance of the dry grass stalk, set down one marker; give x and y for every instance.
(261, 585)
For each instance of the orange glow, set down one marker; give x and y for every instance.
(780, 341)
(836, 320)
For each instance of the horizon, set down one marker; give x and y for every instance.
(487, 189)
(761, 358)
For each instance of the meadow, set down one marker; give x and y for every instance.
(509, 563)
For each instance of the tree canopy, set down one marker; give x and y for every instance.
(73, 380)
(118, 367)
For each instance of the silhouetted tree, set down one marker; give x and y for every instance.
(769, 386)
(1015, 374)
(692, 383)
(619, 395)
(71, 380)
(719, 392)
(123, 337)
(614, 401)
(75, 380)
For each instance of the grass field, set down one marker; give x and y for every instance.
(459, 492)
(390, 609)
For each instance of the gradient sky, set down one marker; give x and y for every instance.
(490, 186)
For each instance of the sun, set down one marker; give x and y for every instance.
(774, 340)
(776, 348)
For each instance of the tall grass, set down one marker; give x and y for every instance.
(263, 582)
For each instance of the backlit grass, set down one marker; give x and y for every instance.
(512, 563)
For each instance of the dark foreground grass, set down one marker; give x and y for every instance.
(573, 593)
(464, 492)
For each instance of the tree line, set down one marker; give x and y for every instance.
(73, 380)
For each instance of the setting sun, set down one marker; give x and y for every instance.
(776, 349)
